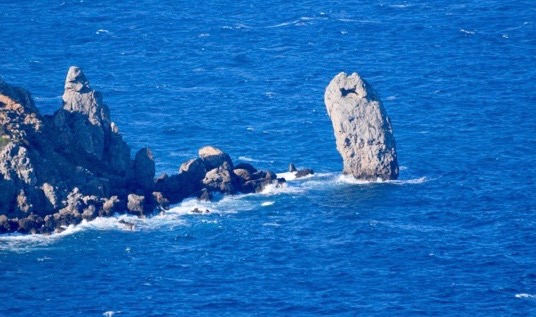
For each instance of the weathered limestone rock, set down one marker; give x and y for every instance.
(86, 132)
(220, 179)
(177, 187)
(60, 169)
(136, 204)
(242, 174)
(195, 168)
(213, 157)
(112, 205)
(363, 131)
(161, 201)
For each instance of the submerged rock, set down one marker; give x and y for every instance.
(363, 131)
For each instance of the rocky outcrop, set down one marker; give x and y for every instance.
(363, 131)
(212, 172)
(299, 173)
(74, 165)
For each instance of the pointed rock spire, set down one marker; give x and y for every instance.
(80, 98)
(76, 80)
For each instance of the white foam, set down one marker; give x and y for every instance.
(271, 224)
(110, 313)
(288, 176)
(278, 189)
(358, 21)
(38, 98)
(27, 242)
(399, 6)
(419, 180)
(180, 214)
(525, 295)
(250, 159)
(22, 243)
(299, 22)
(283, 24)
(351, 180)
(348, 179)
(291, 176)
(225, 205)
(467, 32)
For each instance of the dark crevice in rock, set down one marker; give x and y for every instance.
(345, 92)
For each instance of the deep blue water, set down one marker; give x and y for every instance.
(455, 237)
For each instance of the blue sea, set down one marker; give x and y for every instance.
(454, 236)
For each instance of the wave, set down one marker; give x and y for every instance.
(525, 295)
(25, 242)
(250, 159)
(400, 6)
(41, 98)
(101, 31)
(469, 32)
(298, 22)
(347, 179)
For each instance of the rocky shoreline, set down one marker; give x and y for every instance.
(58, 170)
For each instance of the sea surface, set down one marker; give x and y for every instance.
(455, 236)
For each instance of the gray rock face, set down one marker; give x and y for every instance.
(219, 179)
(213, 157)
(84, 123)
(57, 170)
(144, 170)
(136, 204)
(363, 131)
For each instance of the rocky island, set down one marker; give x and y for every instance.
(57, 170)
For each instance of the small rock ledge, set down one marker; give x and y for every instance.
(57, 170)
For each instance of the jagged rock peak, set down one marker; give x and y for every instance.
(76, 80)
(362, 128)
(80, 98)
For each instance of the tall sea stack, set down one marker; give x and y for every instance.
(363, 131)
